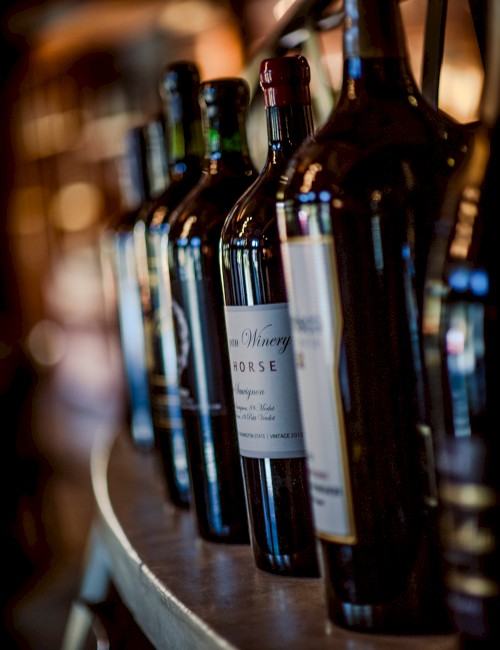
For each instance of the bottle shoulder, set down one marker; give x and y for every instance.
(161, 209)
(358, 138)
(206, 206)
(253, 216)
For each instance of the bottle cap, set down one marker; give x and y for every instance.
(285, 80)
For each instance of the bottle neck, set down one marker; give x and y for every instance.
(490, 101)
(373, 30)
(375, 56)
(185, 144)
(287, 126)
(133, 179)
(226, 145)
(156, 162)
(183, 131)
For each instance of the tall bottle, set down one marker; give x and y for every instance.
(145, 173)
(205, 380)
(259, 339)
(461, 325)
(355, 212)
(179, 90)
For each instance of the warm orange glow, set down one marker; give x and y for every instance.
(219, 52)
(50, 134)
(460, 91)
(188, 17)
(76, 206)
(94, 25)
(281, 7)
(47, 342)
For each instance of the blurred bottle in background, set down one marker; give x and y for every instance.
(461, 337)
(144, 175)
(179, 90)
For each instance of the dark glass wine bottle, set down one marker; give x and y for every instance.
(461, 326)
(259, 339)
(145, 174)
(179, 89)
(206, 397)
(356, 208)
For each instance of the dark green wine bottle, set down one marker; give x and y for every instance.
(205, 383)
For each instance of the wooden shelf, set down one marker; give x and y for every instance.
(186, 593)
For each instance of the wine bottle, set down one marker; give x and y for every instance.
(179, 90)
(356, 207)
(259, 339)
(205, 380)
(144, 173)
(462, 355)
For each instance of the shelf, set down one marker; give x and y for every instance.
(186, 593)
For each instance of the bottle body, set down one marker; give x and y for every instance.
(366, 396)
(151, 244)
(261, 352)
(162, 376)
(265, 392)
(356, 210)
(207, 406)
(206, 399)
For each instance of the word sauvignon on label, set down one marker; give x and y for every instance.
(262, 369)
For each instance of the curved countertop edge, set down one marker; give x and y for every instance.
(181, 628)
(165, 619)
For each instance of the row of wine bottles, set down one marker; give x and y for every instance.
(319, 339)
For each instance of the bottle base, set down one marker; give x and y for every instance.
(392, 618)
(179, 501)
(230, 537)
(300, 566)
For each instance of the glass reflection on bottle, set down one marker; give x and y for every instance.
(205, 406)
(132, 338)
(163, 337)
(465, 350)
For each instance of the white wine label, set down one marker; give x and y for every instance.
(264, 382)
(317, 323)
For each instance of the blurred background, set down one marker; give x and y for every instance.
(76, 76)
